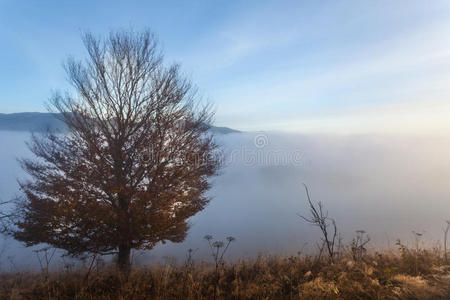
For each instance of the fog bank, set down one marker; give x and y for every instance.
(386, 185)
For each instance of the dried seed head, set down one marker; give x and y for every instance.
(218, 244)
(230, 239)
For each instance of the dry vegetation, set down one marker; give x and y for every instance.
(406, 274)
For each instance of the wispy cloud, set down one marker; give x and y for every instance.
(406, 65)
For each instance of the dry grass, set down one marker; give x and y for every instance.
(408, 275)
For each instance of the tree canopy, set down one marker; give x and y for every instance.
(135, 163)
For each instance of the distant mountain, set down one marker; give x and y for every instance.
(30, 121)
(223, 130)
(39, 122)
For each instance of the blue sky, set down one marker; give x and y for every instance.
(320, 66)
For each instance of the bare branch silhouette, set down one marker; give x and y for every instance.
(319, 217)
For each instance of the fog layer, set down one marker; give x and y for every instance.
(386, 185)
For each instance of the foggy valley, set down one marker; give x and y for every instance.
(388, 185)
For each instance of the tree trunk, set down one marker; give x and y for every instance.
(123, 261)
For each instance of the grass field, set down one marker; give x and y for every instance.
(403, 274)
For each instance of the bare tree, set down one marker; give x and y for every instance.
(135, 163)
(320, 218)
